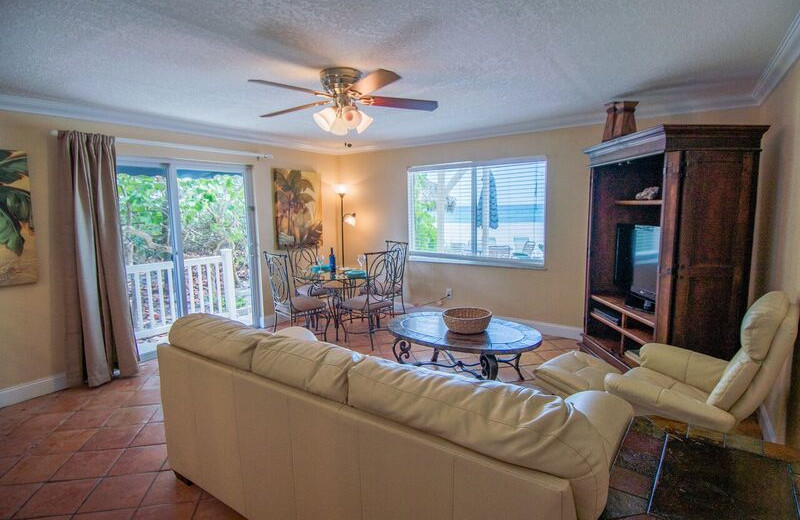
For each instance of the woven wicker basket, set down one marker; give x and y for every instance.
(467, 320)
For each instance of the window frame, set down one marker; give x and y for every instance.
(451, 258)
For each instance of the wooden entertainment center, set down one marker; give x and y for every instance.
(706, 211)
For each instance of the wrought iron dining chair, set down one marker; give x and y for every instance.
(289, 304)
(302, 258)
(397, 288)
(381, 276)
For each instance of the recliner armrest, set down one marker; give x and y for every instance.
(669, 403)
(692, 368)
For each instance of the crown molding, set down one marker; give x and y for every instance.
(785, 56)
(83, 112)
(585, 119)
(49, 107)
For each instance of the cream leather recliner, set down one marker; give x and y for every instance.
(705, 391)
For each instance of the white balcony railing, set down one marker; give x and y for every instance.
(210, 284)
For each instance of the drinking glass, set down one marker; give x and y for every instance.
(361, 259)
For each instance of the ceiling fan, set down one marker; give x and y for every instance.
(344, 89)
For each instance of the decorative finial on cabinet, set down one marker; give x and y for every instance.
(619, 119)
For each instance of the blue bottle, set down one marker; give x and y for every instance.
(332, 263)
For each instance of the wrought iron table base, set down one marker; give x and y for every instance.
(487, 362)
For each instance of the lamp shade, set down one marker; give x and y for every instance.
(325, 118)
(350, 219)
(338, 127)
(351, 117)
(341, 189)
(365, 122)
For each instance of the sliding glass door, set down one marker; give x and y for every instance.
(188, 236)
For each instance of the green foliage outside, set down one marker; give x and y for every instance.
(425, 230)
(212, 218)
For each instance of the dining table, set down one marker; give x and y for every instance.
(338, 286)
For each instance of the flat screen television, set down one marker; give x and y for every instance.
(636, 263)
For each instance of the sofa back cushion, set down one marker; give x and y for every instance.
(313, 366)
(511, 423)
(214, 337)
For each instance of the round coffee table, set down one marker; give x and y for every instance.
(502, 337)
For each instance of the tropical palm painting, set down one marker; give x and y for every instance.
(298, 207)
(17, 251)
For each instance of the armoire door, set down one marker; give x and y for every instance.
(717, 205)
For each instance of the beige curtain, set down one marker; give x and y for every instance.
(97, 306)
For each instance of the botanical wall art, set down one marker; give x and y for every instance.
(17, 249)
(298, 207)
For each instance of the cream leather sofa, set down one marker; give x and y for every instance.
(279, 427)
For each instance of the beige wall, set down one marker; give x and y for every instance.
(779, 232)
(31, 324)
(552, 295)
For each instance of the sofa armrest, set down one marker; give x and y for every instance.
(668, 403)
(607, 413)
(297, 333)
(692, 368)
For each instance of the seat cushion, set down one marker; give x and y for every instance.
(217, 338)
(313, 366)
(302, 304)
(311, 290)
(359, 303)
(512, 423)
(663, 381)
(573, 372)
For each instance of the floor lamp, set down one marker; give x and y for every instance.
(345, 218)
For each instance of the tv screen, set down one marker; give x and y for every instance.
(636, 264)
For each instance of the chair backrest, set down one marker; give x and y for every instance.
(768, 332)
(528, 247)
(382, 272)
(278, 269)
(402, 248)
(301, 258)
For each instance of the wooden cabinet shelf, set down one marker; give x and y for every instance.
(638, 202)
(617, 303)
(708, 177)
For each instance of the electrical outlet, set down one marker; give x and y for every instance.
(448, 293)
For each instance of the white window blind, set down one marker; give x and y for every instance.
(483, 212)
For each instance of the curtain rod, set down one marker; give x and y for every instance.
(164, 144)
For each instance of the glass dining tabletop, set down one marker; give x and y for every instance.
(343, 274)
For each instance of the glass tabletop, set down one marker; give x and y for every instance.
(343, 274)
(501, 337)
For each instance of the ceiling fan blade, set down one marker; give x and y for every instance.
(393, 102)
(301, 107)
(290, 87)
(373, 81)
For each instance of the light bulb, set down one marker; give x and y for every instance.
(325, 118)
(350, 219)
(338, 127)
(365, 122)
(351, 117)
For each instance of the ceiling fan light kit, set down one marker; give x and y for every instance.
(344, 88)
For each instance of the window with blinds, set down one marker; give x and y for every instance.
(483, 212)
